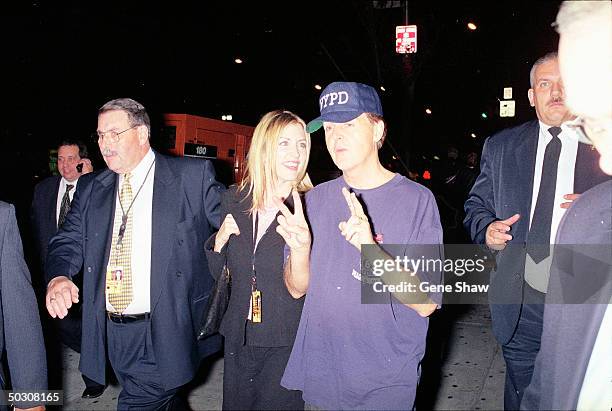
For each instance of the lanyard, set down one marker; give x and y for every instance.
(253, 273)
(125, 214)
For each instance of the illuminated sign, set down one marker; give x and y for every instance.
(200, 150)
(406, 39)
(507, 108)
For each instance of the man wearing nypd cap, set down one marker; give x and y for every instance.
(349, 354)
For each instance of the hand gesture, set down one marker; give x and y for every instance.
(228, 228)
(356, 230)
(61, 293)
(496, 236)
(87, 166)
(570, 200)
(292, 226)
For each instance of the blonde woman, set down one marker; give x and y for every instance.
(262, 318)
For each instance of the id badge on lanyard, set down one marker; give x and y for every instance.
(255, 305)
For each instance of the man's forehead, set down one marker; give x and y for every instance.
(114, 116)
(548, 68)
(68, 149)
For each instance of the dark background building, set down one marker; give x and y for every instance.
(62, 60)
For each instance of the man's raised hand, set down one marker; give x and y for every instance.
(497, 232)
(356, 230)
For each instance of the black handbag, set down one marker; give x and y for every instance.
(219, 301)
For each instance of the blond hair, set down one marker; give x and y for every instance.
(261, 174)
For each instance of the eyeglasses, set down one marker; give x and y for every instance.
(111, 135)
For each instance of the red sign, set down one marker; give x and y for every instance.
(406, 39)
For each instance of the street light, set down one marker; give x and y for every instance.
(428, 110)
(238, 61)
(317, 86)
(471, 26)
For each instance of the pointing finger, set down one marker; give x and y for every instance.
(297, 204)
(357, 206)
(511, 220)
(349, 202)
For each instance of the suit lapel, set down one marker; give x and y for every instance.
(525, 159)
(165, 216)
(52, 206)
(102, 211)
(243, 219)
(270, 231)
(587, 173)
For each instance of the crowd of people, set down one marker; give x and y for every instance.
(130, 254)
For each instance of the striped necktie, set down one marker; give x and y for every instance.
(65, 206)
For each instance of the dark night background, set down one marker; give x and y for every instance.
(62, 60)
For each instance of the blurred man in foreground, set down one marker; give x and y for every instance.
(20, 331)
(573, 369)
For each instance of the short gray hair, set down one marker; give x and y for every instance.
(548, 57)
(137, 114)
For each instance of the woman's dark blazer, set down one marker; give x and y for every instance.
(280, 311)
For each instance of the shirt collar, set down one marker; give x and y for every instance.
(64, 183)
(566, 132)
(139, 173)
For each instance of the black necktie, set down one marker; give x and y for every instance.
(538, 239)
(65, 207)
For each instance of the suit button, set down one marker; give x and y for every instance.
(89, 269)
(178, 273)
(180, 242)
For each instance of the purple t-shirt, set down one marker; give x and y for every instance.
(349, 355)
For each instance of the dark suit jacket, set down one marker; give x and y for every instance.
(20, 330)
(570, 330)
(186, 199)
(43, 219)
(43, 214)
(504, 188)
(280, 311)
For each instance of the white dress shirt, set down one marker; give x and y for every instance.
(537, 275)
(60, 195)
(142, 214)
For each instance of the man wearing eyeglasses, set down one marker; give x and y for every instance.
(50, 205)
(573, 369)
(137, 229)
(530, 174)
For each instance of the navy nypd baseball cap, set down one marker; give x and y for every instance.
(343, 101)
